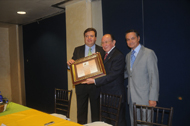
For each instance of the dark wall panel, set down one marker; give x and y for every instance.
(166, 31)
(45, 61)
(118, 17)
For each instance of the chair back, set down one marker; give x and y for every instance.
(109, 108)
(157, 116)
(63, 101)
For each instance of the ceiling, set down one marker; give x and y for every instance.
(35, 10)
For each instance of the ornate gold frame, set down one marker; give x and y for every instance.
(92, 64)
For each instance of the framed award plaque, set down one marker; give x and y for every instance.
(88, 67)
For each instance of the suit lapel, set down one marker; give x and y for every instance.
(96, 48)
(128, 62)
(82, 51)
(109, 56)
(139, 55)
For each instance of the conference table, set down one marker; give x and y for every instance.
(19, 115)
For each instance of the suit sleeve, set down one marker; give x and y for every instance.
(126, 72)
(78, 52)
(116, 69)
(74, 55)
(153, 77)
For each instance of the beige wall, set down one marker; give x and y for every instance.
(97, 19)
(80, 16)
(75, 25)
(5, 79)
(11, 67)
(16, 59)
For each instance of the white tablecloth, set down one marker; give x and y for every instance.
(97, 123)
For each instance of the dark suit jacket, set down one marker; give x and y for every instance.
(113, 82)
(79, 52)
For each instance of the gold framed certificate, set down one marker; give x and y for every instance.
(88, 67)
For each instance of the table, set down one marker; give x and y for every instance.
(18, 115)
(12, 108)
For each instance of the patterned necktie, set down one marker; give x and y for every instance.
(105, 56)
(89, 52)
(132, 58)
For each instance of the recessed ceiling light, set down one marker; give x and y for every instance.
(21, 12)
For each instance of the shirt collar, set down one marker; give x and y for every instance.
(87, 47)
(137, 49)
(111, 49)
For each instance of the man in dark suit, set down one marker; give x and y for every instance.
(84, 91)
(113, 82)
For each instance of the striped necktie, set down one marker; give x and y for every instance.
(132, 58)
(89, 52)
(105, 56)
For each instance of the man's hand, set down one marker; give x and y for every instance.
(152, 103)
(89, 81)
(71, 61)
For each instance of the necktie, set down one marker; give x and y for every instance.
(89, 52)
(132, 58)
(105, 56)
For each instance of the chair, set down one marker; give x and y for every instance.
(159, 116)
(109, 108)
(63, 101)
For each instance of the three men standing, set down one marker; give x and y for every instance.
(141, 70)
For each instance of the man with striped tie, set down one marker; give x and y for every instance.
(113, 82)
(142, 72)
(84, 91)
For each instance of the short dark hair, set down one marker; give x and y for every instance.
(112, 37)
(132, 30)
(90, 29)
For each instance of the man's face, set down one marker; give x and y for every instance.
(89, 38)
(132, 40)
(107, 43)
